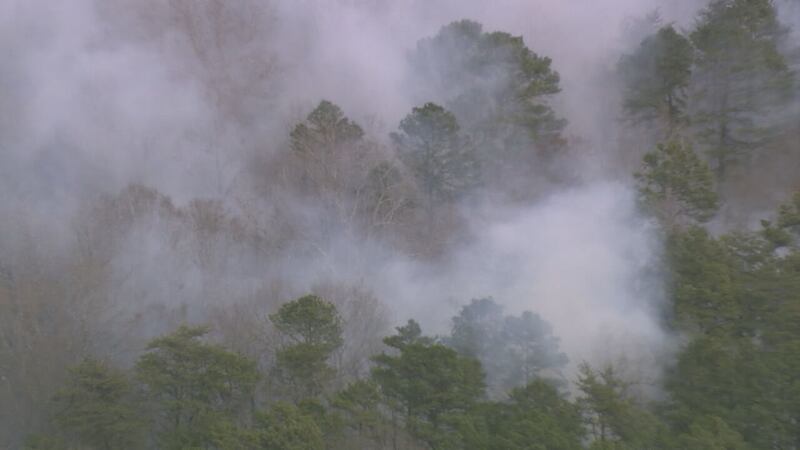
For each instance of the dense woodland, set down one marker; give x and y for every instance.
(192, 323)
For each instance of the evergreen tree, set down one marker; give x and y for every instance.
(741, 75)
(440, 158)
(286, 427)
(476, 329)
(499, 89)
(360, 406)
(493, 78)
(197, 388)
(98, 409)
(712, 433)
(706, 288)
(737, 300)
(656, 79)
(325, 129)
(513, 350)
(615, 421)
(431, 386)
(536, 416)
(330, 160)
(785, 231)
(676, 185)
(313, 328)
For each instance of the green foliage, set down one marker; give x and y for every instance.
(360, 406)
(286, 427)
(193, 385)
(677, 185)
(717, 377)
(225, 434)
(705, 285)
(440, 158)
(712, 433)
(310, 320)
(410, 333)
(786, 229)
(314, 328)
(97, 407)
(43, 442)
(708, 380)
(656, 79)
(532, 349)
(513, 350)
(498, 88)
(740, 301)
(733, 299)
(615, 421)
(325, 128)
(429, 384)
(536, 416)
(475, 327)
(303, 370)
(741, 77)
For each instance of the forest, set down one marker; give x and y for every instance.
(422, 224)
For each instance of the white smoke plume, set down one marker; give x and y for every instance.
(185, 96)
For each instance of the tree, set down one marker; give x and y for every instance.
(364, 320)
(325, 127)
(429, 384)
(314, 329)
(532, 348)
(360, 405)
(615, 421)
(328, 146)
(676, 185)
(334, 167)
(536, 416)
(440, 158)
(476, 328)
(410, 333)
(705, 285)
(712, 433)
(98, 409)
(737, 300)
(514, 350)
(498, 88)
(310, 320)
(196, 388)
(286, 427)
(656, 79)
(740, 76)
(785, 230)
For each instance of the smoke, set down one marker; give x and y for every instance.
(584, 259)
(123, 85)
(194, 98)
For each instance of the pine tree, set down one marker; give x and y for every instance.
(656, 77)
(500, 91)
(430, 385)
(196, 388)
(441, 159)
(313, 328)
(98, 408)
(741, 74)
(676, 185)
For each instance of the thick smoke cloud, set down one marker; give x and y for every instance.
(99, 95)
(583, 259)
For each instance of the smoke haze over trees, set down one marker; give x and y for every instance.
(430, 224)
